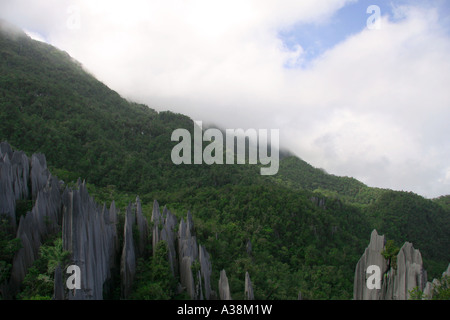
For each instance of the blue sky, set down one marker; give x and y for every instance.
(316, 38)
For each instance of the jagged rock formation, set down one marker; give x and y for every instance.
(205, 271)
(39, 173)
(188, 253)
(429, 287)
(248, 288)
(128, 261)
(132, 250)
(89, 233)
(17, 177)
(142, 228)
(43, 220)
(164, 230)
(396, 283)
(224, 288)
(183, 252)
(7, 196)
(372, 256)
(409, 274)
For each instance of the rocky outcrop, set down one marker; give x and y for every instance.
(168, 235)
(428, 292)
(409, 273)
(164, 230)
(21, 174)
(187, 254)
(39, 173)
(128, 260)
(89, 234)
(134, 246)
(35, 226)
(7, 196)
(156, 220)
(43, 221)
(396, 283)
(224, 288)
(372, 256)
(142, 229)
(248, 288)
(205, 271)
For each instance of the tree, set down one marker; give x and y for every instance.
(390, 253)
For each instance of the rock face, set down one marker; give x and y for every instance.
(142, 228)
(21, 174)
(409, 274)
(45, 217)
(184, 253)
(132, 248)
(372, 256)
(428, 291)
(187, 255)
(205, 271)
(128, 260)
(39, 173)
(7, 183)
(89, 233)
(396, 283)
(34, 228)
(224, 288)
(248, 288)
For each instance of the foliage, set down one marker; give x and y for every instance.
(295, 244)
(8, 247)
(154, 279)
(39, 280)
(442, 291)
(416, 294)
(390, 253)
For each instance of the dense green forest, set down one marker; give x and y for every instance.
(306, 228)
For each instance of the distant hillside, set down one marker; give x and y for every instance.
(296, 173)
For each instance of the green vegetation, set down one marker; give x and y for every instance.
(154, 279)
(39, 281)
(49, 104)
(440, 290)
(390, 253)
(8, 247)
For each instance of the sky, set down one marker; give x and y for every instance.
(359, 88)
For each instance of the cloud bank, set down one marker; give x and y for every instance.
(376, 106)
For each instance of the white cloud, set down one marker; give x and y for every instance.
(35, 35)
(374, 107)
